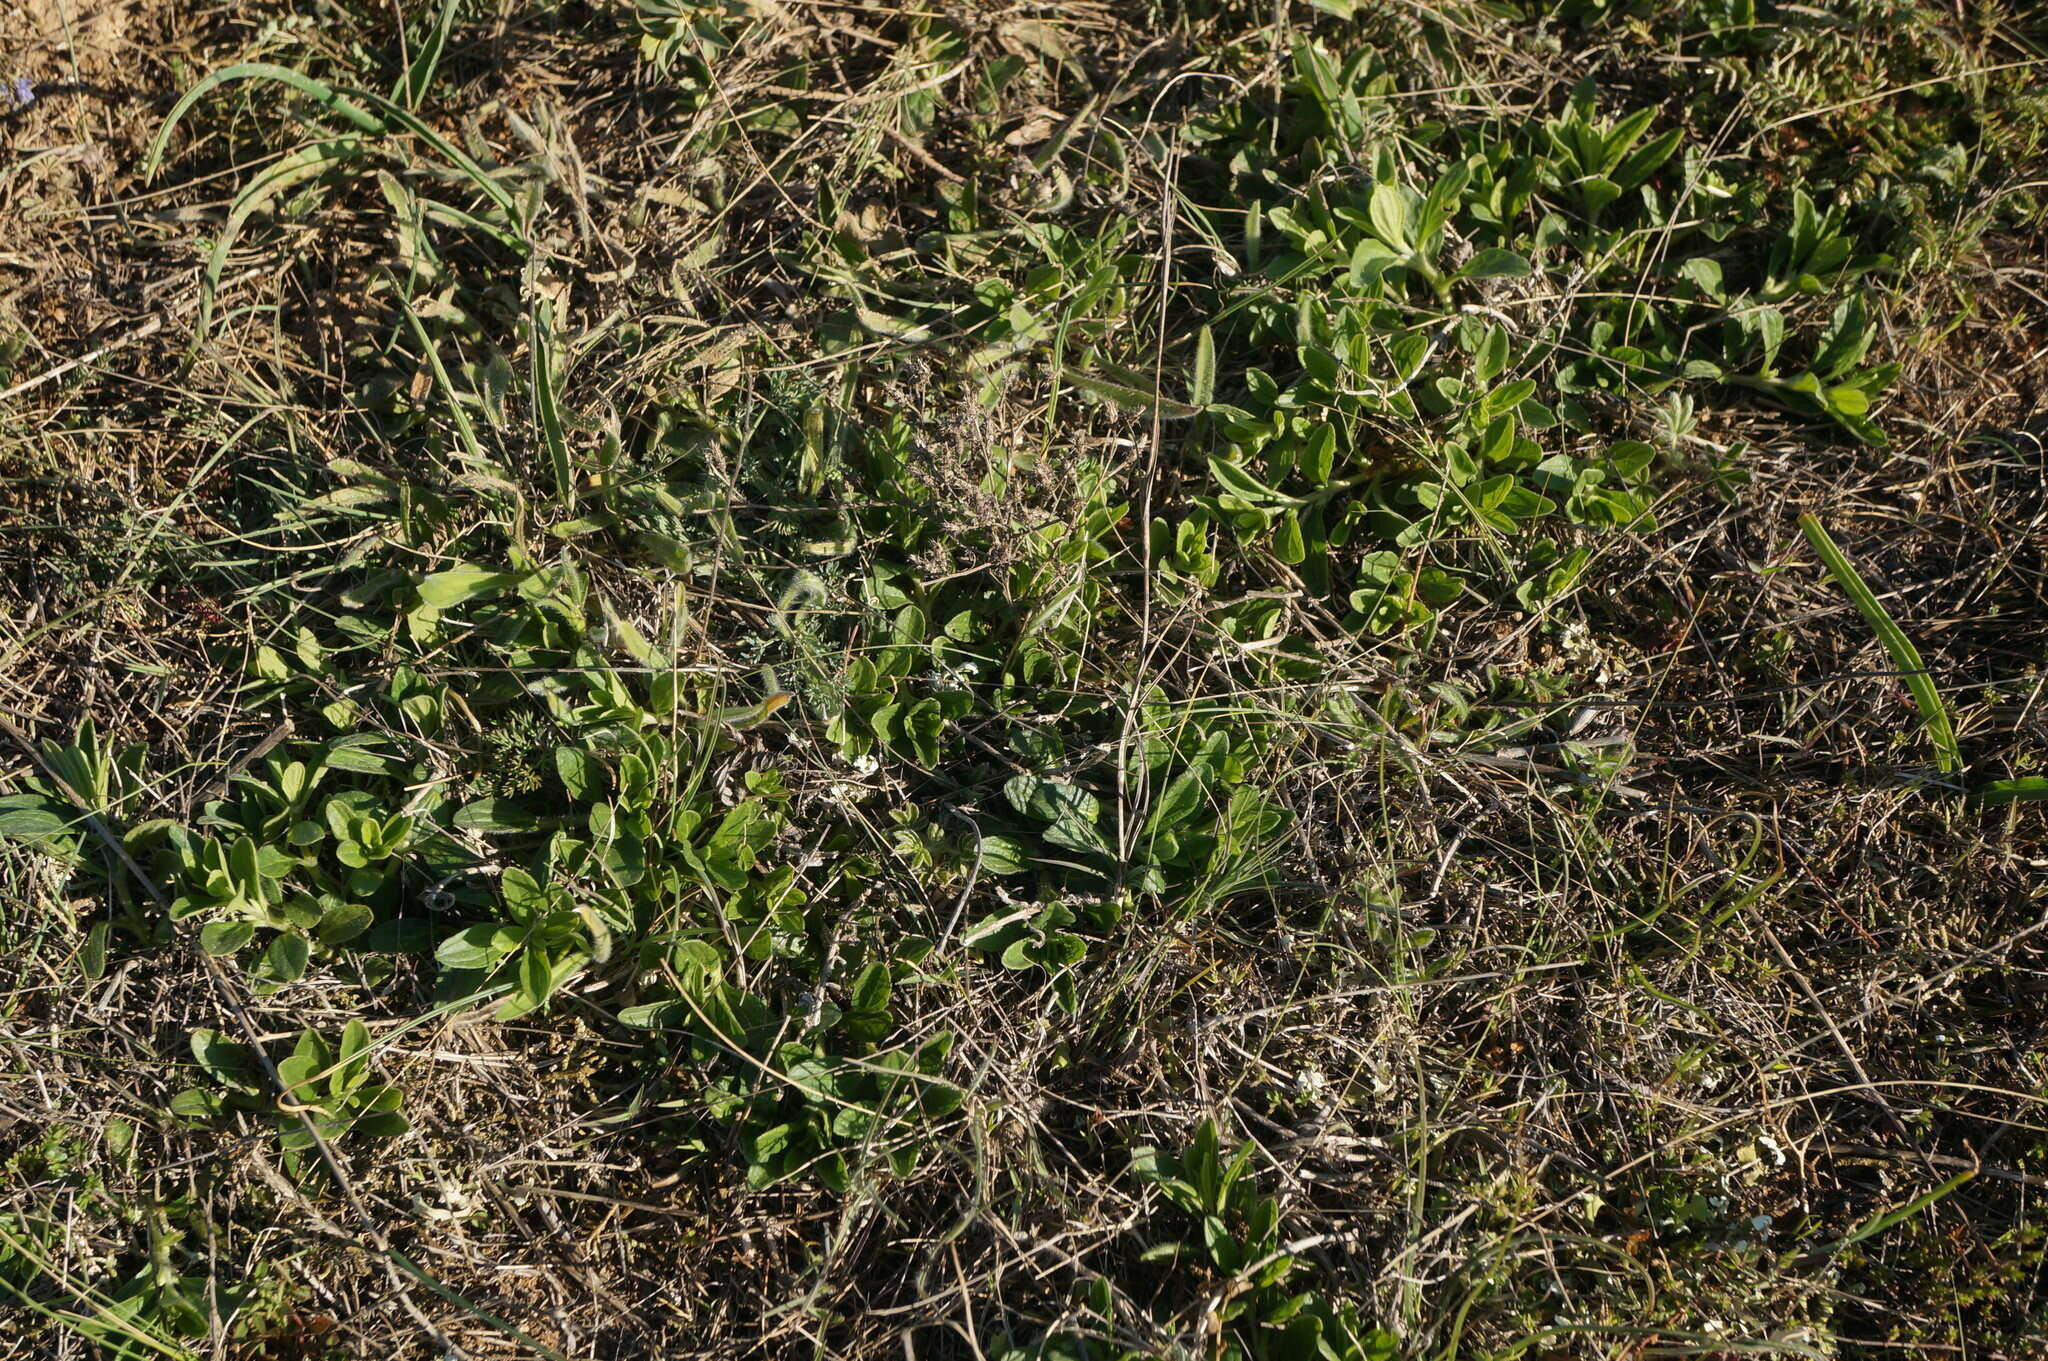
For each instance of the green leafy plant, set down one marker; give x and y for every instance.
(1835, 385)
(819, 1106)
(328, 1083)
(1813, 253)
(1253, 1309)
(548, 941)
(1597, 160)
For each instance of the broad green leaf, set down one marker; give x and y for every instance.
(524, 896)
(1614, 144)
(1491, 358)
(196, 1105)
(870, 991)
(224, 938)
(1704, 273)
(1646, 159)
(1498, 440)
(225, 1060)
(1805, 228)
(343, 922)
(1179, 802)
(582, 774)
(352, 1057)
(1770, 328)
(1319, 454)
(244, 866)
(476, 947)
(1003, 855)
(1202, 385)
(1494, 262)
(286, 958)
(92, 957)
(1440, 204)
(32, 820)
(633, 640)
(1288, 545)
(1389, 210)
(536, 983)
(1237, 482)
(1409, 352)
(2025, 789)
(1370, 259)
(497, 815)
(656, 1015)
(446, 590)
(1067, 811)
(1598, 192)
(1846, 340)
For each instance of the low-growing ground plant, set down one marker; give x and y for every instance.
(1304, 683)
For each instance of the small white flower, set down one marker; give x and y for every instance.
(1309, 1084)
(866, 765)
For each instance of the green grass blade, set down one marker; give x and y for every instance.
(105, 1323)
(2025, 789)
(418, 76)
(1904, 655)
(386, 117)
(326, 95)
(308, 162)
(1131, 397)
(472, 452)
(1202, 388)
(1904, 1212)
(485, 182)
(450, 216)
(544, 408)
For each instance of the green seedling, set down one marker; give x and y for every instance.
(549, 941)
(1255, 1315)
(1596, 160)
(1813, 253)
(329, 1084)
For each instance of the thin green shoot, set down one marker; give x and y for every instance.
(1904, 655)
